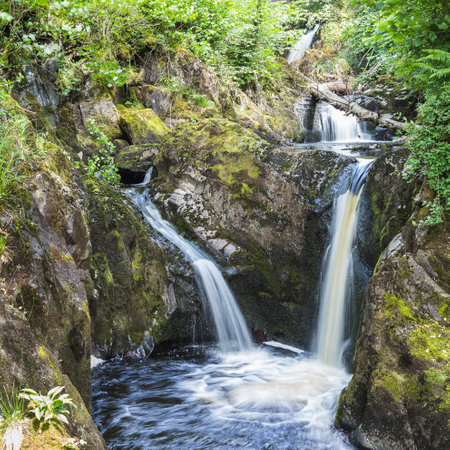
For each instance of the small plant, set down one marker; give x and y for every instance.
(47, 409)
(74, 443)
(12, 407)
(102, 164)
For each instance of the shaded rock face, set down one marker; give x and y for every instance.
(398, 397)
(133, 289)
(262, 211)
(45, 323)
(386, 204)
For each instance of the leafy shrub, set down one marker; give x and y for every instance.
(103, 164)
(47, 409)
(429, 143)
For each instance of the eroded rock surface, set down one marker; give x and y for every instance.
(264, 211)
(398, 397)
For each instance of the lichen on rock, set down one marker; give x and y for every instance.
(399, 396)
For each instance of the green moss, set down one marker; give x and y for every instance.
(430, 342)
(391, 381)
(136, 265)
(141, 126)
(43, 352)
(397, 308)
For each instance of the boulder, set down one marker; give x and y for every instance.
(398, 397)
(141, 126)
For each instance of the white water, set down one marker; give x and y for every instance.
(261, 388)
(231, 329)
(337, 280)
(301, 46)
(335, 126)
(253, 395)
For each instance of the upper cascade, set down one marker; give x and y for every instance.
(302, 45)
(337, 126)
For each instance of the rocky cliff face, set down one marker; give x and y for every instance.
(398, 396)
(45, 320)
(263, 211)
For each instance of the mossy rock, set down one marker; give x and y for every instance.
(141, 126)
(399, 396)
(136, 157)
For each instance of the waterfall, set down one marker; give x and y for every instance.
(335, 292)
(300, 47)
(231, 329)
(336, 126)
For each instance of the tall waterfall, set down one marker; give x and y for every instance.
(337, 270)
(335, 126)
(231, 329)
(301, 45)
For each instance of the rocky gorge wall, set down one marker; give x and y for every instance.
(88, 277)
(398, 396)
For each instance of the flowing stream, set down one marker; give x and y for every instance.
(236, 394)
(335, 294)
(231, 329)
(301, 46)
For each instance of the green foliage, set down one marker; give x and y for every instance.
(12, 151)
(12, 408)
(239, 39)
(429, 143)
(47, 409)
(434, 68)
(102, 164)
(411, 36)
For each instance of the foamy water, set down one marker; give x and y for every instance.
(262, 398)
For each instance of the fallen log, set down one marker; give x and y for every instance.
(327, 92)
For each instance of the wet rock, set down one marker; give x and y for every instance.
(398, 396)
(43, 91)
(255, 206)
(141, 126)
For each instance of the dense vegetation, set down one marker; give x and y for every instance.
(243, 41)
(410, 41)
(108, 38)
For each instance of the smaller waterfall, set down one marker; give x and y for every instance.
(302, 45)
(231, 329)
(337, 269)
(335, 126)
